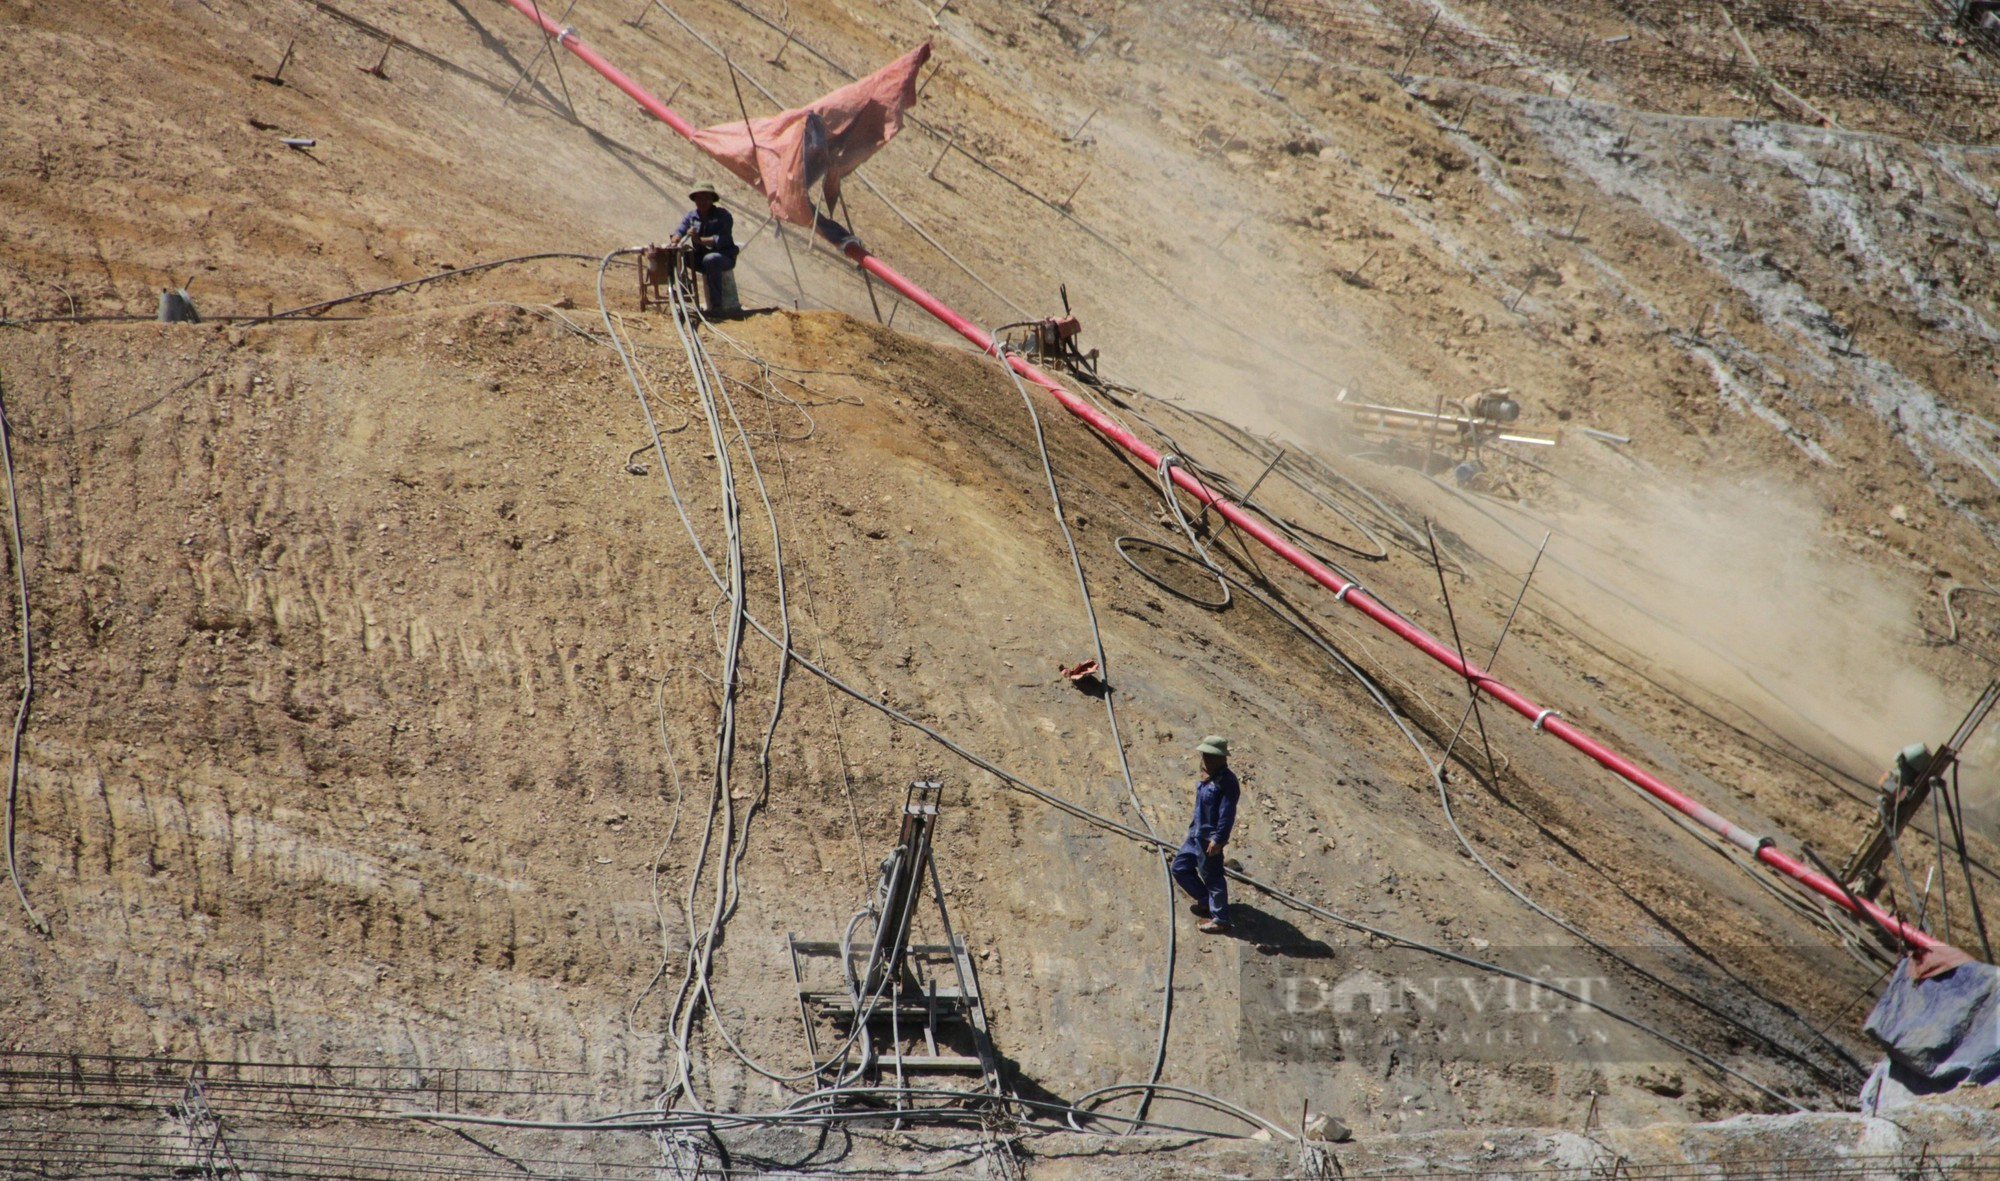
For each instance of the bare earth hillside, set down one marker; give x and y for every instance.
(394, 736)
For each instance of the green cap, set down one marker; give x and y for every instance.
(1214, 744)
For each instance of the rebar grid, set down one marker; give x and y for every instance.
(242, 1088)
(206, 1139)
(66, 1153)
(60, 1154)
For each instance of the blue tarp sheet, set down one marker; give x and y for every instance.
(1941, 1033)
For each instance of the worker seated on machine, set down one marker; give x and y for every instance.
(706, 238)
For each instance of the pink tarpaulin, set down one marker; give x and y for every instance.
(783, 155)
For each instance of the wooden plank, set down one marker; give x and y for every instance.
(936, 1062)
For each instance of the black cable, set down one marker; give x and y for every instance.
(999, 352)
(322, 305)
(1119, 544)
(696, 989)
(306, 309)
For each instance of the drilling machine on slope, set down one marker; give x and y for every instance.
(886, 1016)
(1458, 432)
(1479, 419)
(1918, 773)
(1054, 338)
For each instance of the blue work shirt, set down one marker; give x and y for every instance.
(716, 224)
(1215, 808)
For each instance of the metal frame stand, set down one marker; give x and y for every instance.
(887, 1010)
(661, 269)
(1899, 802)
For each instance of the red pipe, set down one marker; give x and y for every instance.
(1351, 593)
(566, 37)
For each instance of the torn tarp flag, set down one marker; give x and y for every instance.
(782, 156)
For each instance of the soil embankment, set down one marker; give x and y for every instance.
(379, 676)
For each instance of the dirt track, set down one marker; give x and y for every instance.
(372, 682)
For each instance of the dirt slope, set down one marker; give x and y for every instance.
(376, 695)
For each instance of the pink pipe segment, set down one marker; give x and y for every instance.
(638, 94)
(1351, 593)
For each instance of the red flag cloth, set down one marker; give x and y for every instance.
(1927, 962)
(782, 155)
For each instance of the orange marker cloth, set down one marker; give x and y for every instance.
(782, 156)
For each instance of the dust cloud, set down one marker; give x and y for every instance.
(1737, 591)
(1979, 781)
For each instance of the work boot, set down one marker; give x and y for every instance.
(1212, 927)
(1199, 910)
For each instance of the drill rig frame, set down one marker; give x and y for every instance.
(887, 1010)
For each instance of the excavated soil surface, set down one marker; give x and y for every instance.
(378, 679)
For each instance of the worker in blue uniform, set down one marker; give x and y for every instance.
(708, 233)
(1198, 866)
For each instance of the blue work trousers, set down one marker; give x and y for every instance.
(712, 265)
(1202, 876)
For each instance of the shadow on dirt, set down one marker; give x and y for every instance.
(1267, 934)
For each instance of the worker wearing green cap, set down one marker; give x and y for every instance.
(1198, 866)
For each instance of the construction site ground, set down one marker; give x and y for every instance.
(376, 674)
